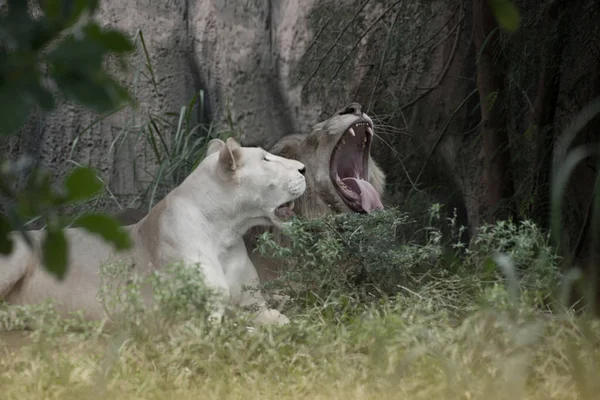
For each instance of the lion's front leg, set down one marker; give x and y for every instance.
(244, 292)
(214, 279)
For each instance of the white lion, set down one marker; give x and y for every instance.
(201, 222)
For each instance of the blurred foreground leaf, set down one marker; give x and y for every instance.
(507, 14)
(55, 252)
(107, 227)
(82, 184)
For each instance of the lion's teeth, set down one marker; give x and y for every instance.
(352, 132)
(370, 130)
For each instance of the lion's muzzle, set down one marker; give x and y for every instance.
(297, 186)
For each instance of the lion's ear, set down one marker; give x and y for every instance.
(288, 146)
(229, 155)
(214, 146)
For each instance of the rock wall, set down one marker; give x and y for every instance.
(276, 67)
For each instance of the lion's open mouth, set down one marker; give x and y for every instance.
(349, 168)
(285, 211)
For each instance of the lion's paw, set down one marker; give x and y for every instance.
(216, 317)
(271, 316)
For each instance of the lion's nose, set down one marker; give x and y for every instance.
(302, 170)
(352, 108)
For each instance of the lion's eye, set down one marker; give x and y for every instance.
(265, 158)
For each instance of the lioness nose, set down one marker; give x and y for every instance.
(302, 170)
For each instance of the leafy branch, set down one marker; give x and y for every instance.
(53, 49)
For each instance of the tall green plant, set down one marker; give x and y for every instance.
(176, 142)
(566, 161)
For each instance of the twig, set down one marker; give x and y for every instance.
(335, 42)
(444, 71)
(347, 244)
(399, 158)
(332, 229)
(316, 38)
(361, 37)
(387, 45)
(423, 43)
(441, 135)
(411, 292)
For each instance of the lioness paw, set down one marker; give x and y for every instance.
(270, 316)
(215, 318)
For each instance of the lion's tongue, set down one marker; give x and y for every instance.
(369, 198)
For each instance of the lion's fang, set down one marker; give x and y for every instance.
(351, 131)
(370, 130)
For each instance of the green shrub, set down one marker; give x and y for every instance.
(344, 253)
(178, 293)
(367, 257)
(535, 261)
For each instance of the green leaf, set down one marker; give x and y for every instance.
(37, 194)
(107, 227)
(67, 11)
(6, 242)
(100, 93)
(41, 96)
(42, 33)
(111, 39)
(52, 8)
(507, 14)
(55, 252)
(74, 8)
(82, 183)
(76, 55)
(14, 111)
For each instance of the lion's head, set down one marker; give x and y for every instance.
(260, 185)
(341, 175)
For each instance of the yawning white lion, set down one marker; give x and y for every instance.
(201, 222)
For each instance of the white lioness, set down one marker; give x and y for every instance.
(202, 222)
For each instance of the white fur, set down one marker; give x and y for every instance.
(201, 221)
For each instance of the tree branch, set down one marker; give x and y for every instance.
(385, 50)
(335, 42)
(362, 37)
(444, 71)
(442, 133)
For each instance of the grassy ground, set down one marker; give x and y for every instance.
(416, 347)
(434, 328)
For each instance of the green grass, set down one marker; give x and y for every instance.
(428, 343)
(486, 323)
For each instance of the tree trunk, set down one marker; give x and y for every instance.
(490, 83)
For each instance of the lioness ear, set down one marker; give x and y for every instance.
(229, 155)
(214, 146)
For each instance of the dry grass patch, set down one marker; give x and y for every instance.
(412, 348)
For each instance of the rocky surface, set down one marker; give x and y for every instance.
(275, 67)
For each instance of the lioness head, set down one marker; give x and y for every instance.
(341, 173)
(262, 184)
